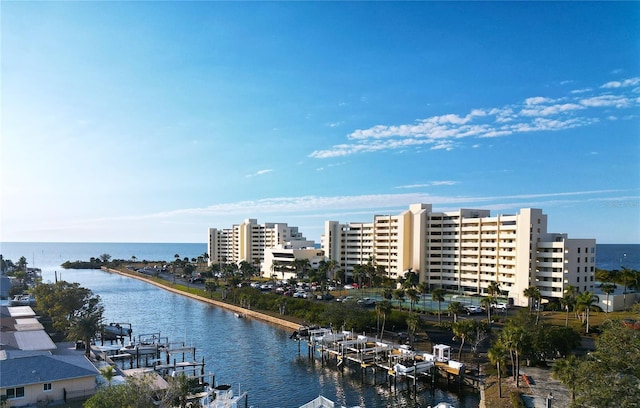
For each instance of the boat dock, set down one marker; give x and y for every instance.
(397, 362)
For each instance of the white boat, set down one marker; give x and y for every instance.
(222, 396)
(142, 348)
(443, 405)
(321, 402)
(240, 315)
(115, 329)
(417, 368)
(23, 300)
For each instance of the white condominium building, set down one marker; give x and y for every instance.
(465, 250)
(248, 241)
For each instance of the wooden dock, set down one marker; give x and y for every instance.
(397, 362)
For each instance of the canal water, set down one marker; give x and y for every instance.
(251, 355)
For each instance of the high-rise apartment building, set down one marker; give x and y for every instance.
(248, 241)
(465, 250)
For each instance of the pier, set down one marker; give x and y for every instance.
(398, 363)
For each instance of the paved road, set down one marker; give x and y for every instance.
(544, 386)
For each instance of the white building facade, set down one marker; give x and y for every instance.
(465, 250)
(249, 240)
(279, 262)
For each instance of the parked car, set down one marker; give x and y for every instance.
(500, 306)
(632, 324)
(473, 309)
(367, 302)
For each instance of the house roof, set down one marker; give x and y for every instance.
(27, 340)
(21, 311)
(23, 371)
(28, 324)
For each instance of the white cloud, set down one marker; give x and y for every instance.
(550, 110)
(536, 100)
(622, 84)
(305, 204)
(430, 184)
(617, 101)
(259, 173)
(447, 131)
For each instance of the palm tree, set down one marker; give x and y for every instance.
(438, 296)
(413, 322)
(423, 288)
(486, 302)
(398, 295)
(211, 285)
(493, 289)
(529, 293)
(412, 294)
(85, 327)
(584, 302)
(411, 279)
(462, 330)
(498, 356)
(456, 309)
(108, 373)
(566, 370)
(383, 308)
(387, 293)
(607, 288)
(514, 337)
(533, 293)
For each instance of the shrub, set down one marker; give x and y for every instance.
(516, 399)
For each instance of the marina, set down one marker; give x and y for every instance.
(258, 356)
(394, 361)
(261, 357)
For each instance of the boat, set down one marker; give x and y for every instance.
(116, 330)
(320, 402)
(416, 368)
(142, 348)
(23, 300)
(240, 315)
(222, 396)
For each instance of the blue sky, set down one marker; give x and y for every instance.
(153, 121)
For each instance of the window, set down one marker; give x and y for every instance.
(46, 387)
(15, 392)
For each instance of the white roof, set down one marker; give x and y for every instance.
(29, 323)
(34, 340)
(21, 311)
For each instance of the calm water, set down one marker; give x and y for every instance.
(258, 357)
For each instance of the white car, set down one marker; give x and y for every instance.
(473, 309)
(500, 306)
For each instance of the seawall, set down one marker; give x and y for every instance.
(247, 312)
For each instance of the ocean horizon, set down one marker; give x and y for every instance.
(50, 255)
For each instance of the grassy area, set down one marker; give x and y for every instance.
(595, 319)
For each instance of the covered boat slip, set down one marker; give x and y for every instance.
(398, 361)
